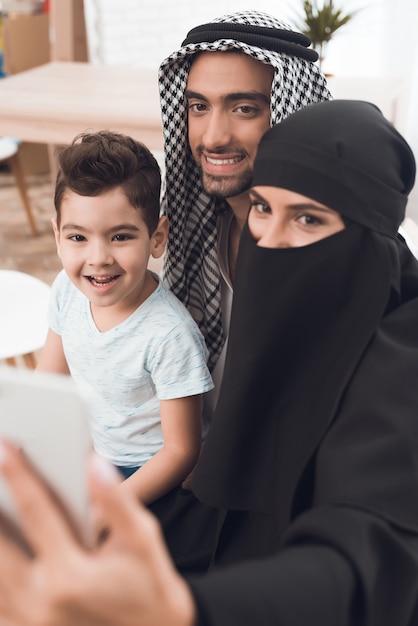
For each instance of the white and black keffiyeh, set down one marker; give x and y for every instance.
(191, 267)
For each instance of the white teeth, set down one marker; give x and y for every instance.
(222, 161)
(101, 280)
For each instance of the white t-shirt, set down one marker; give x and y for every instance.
(157, 353)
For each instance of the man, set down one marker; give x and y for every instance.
(230, 80)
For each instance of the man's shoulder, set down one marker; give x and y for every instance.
(170, 315)
(169, 302)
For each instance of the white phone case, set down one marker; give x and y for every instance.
(45, 415)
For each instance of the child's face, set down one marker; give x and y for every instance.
(280, 218)
(104, 246)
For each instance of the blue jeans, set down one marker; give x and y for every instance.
(127, 471)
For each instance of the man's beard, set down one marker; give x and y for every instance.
(226, 186)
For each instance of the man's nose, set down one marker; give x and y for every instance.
(217, 133)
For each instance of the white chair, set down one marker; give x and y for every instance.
(9, 153)
(23, 317)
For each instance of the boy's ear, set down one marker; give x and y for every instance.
(159, 237)
(56, 235)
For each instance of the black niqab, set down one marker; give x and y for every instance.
(309, 326)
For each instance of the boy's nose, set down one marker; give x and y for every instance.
(99, 254)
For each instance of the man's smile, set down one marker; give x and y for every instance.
(223, 161)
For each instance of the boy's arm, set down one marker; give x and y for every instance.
(181, 423)
(52, 358)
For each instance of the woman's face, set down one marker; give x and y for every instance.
(280, 218)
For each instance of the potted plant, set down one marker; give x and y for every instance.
(320, 23)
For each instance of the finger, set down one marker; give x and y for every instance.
(187, 483)
(135, 532)
(15, 567)
(98, 525)
(42, 521)
(130, 524)
(14, 558)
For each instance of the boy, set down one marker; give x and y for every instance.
(129, 344)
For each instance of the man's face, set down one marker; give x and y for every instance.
(228, 101)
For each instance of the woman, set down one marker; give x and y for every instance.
(312, 458)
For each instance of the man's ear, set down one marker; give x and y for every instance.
(159, 237)
(56, 235)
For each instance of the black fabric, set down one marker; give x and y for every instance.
(272, 592)
(279, 40)
(336, 566)
(301, 321)
(313, 450)
(190, 529)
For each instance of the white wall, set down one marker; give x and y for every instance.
(139, 32)
(142, 33)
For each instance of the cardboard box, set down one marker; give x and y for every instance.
(26, 45)
(68, 31)
(32, 40)
(25, 42)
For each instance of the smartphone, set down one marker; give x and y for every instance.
(45, 415)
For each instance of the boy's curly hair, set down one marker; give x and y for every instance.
(97, 162)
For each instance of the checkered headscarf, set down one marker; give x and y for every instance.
(191, 267)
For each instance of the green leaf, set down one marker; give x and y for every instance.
(320, 24)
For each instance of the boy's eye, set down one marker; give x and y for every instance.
(121, 237)
(77, 238)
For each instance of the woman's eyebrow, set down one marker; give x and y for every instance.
(306, 205)
(256, 195)
(309, 206)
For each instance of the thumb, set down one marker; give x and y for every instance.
(130, 524)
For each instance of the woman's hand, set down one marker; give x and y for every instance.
(129, 580)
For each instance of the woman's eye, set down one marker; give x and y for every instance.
(260, 207)
(310, 220)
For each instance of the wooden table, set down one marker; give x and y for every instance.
(52, 103)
